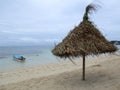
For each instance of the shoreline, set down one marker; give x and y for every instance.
(8, 63)
(31, 60)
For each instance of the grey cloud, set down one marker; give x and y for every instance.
(53, 19)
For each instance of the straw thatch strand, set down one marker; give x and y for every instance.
(89, 9)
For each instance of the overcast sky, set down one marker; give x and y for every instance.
(36, 21)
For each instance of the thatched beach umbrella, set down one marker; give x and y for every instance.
(83, 40)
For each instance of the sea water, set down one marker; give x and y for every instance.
(35, 55)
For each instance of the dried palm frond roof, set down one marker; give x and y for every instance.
(85, 39)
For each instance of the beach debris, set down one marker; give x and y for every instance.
(85, 39)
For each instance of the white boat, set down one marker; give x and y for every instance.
(18, 57)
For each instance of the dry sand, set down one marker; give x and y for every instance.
(102, 73)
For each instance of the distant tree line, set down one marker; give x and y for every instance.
(115, 42)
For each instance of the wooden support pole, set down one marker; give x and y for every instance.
(83, 67)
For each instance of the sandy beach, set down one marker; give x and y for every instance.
(102, 73)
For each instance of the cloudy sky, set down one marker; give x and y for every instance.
(49, 21)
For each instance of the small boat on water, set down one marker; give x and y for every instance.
(18, 57)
